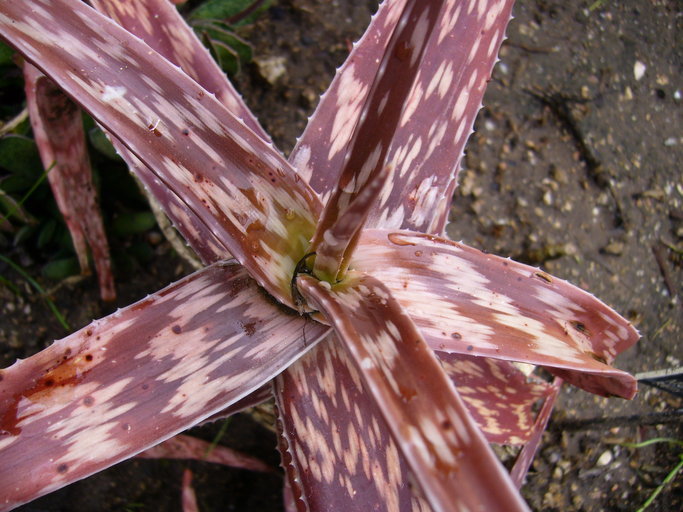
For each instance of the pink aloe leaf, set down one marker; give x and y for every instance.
(154, 21)
(337, 449)
(188, 496)
(188, 447)
(468, 302)
(528, 452)
(338, 241)
(429, 422)
(58, 131)
(253, 399)
(200, 236)
(193, 143)
(427, 147)
(334, 122)
(161, 26)
(176, 357)
(378, 120)
(499, 397)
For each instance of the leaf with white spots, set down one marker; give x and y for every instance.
(161, 26)
(140, 376)
(378, 120)
(225, 174)
(429, 422)
(499, 397)
(253, 399)
(527, 453)
(58, 130)
(437, 119)
(192, 448)
(337, 241)
(468, 302)
(337, 450)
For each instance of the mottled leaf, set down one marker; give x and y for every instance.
(528, 452)
(426, 149)
(339, 239)
(378, 119)
(226, 175)
(161, 26)
(58, 131)
(468, 302)
(336, 447)
(176, 357)
(429, 422)
(499, 397)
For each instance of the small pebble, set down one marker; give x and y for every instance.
(639, 70)
(271, 68)
(604, 459)
(614, 248)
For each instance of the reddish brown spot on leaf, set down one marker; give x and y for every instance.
(67, 372)
(407, 394)
(396, 238)
(249, 328)
(62, 468)
(152, 128)
(581, 327)
(176, 329)
(597, 357)
(544, 277)
(403, 51)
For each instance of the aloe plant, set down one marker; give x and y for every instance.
(387, 346)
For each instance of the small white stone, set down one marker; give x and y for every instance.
(604, 459)
(639, 70)
(272, 68)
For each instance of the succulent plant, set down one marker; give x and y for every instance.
(328, 280)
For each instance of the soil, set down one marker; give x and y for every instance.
(574, 166)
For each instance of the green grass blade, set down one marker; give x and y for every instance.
(39, 289)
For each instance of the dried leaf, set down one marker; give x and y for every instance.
(188, 496)
(58, 131)
(188, 447)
